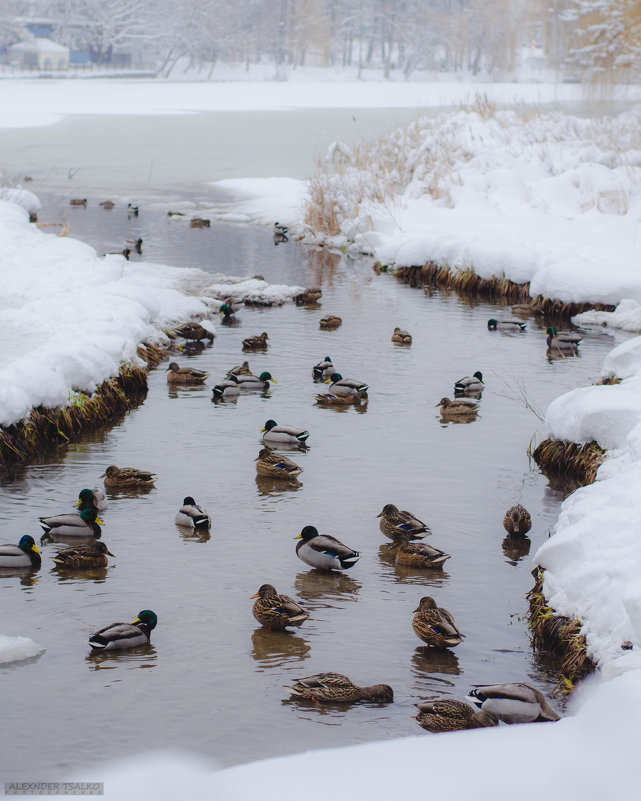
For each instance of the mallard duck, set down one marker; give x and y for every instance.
(127, 477)
(472, 384)
(136, 244)
(192, 515)
(256, 343)
(506, 325)
(517, 520)
(24, 554)
(86, 524)
(199, 222)
(276, 466)
(513, 702)
(342, 400)
(457, 408)
(309, 296)
(323, 551)
(330, 321)
(242, 369)
(282, 229)
(328, 688)
(401, 337)
(233, 304)
(418, 554)
(194, 331)
(275, 434)
(562, 340)
(227, 388)
(280, 234)
(323, 369)
(435, 626)
(447, 714)
(394, 522)
(345, 386)
(107, 204)
(91, 499)
(185, 375)
(83, 556)
(132, 211)
(255, 382)
(276, 611)
(78, 201)
(125, 635)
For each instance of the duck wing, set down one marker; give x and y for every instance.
(325, 543)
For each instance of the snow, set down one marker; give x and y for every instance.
(16, 649)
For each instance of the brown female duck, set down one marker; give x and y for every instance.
(275, 610)
(435, 626)
(327, 688)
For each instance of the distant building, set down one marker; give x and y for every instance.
(40, 54)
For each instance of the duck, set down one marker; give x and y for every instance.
(227, 388)
(280, 234)
(280, 228)
(194, 331)
(506, 325)
(562, 340)
(132, 211)
(312, 295)
(276, 611)
(24, 554)
(83, 556)
(232, 304)
(330, 321)
(256, 343)
(400, 337)
(323, 369)
(323, 551)
(255, 382)
(435, 626)
(127, 477)
(275, 434)
(86, 524)
(342, 400)
(199, 222)
(517, 520)
(126, 252)
(125, 635)
(78, 201)
(185, 375)
(192, 515)
(242, 369)
(418, 554)
(107, 204)
(91, 499)
(276, 466)
(328, 688)
(447, 714)
(345, 386)
(136, 244)
(513, 702)
(457, 408)
(472, 384)
(395, 522)
(227, 315)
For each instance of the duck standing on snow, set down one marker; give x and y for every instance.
(83, 557)
(192, 515)
(323, 551)
(185, 375)
(275, 465)
(447, 714)
(24, 554)
(277, 611)
(86, 524)
(118, 636)
(127, 477)
(283, 435)
(328, 688)
(470, 384)
(256, 343)
(513, 702)
(513, 326)
(517, 520)
(435, 626)
(395, 522)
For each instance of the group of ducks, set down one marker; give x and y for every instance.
(560, 343)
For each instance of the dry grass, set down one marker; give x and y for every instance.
(557, 636)
(464, 282)
(560, 459)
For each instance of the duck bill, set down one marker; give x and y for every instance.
(137, 620)
(100, 522)
(381, 515)
(273, 380)
(35, 549)
(263, 429)
(111, 554)
(253, 596)
(78, 502)
(298, 537)
(327, 381)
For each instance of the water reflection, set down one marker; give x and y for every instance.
(66, 575)
(554, 354)
(413, 575)
(142, 657)
(327, 584)
(426, 660)
(114, 493)
(190, 534)
(27, 575)
(515, 548)
(193, 348)
(341, 407)
(278, 648)
(69, 539)
(186, 391)
(276, 486)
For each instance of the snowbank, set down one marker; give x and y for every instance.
(16, 649)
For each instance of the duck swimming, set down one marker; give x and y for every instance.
(275, 434)
(125, 635)
(277, 611)
(345, 386)
(185, 375)
(258, 342)
(324, 369)
(86, 524)
(395, 522)
(506, 325)
(24, 554)
(567, 341)
(435, 626)
(324, 551)
(517, 520)
(327, 688)
(513, 702)
(400, 337)
(227, 388)
(83, 557)
(192, 515)
(447, 714)
(472, 384)
(127, 477)
(275, 465)
(255, 382)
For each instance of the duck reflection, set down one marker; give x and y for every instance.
(326, 584)
(275, 486)
(190, 534)
(194, 348)
(129, 492)
(414, 575)
(66, 575)
(515, 548)
(426, 660)
(69, 539)
(555, 354)
(185, 391)
(27, 575)
(278, 648)
(143, 657)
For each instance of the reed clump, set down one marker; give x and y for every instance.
(557, 636)
(48, 429)
(560, 459)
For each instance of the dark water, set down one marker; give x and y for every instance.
(212, 679)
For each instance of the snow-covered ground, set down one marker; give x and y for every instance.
(551, 200)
